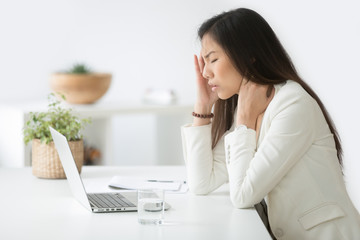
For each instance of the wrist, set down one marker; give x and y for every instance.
(240, 128)
(248, 122)
(200, 122)
(198, 115)
(202, 108)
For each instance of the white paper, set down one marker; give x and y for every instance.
(137, 183)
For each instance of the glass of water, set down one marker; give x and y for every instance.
(151, 204)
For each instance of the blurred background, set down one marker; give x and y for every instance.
(150, 44)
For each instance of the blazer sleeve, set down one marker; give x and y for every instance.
(206, 167)
(254, 173)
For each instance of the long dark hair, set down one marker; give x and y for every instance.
(258, 55)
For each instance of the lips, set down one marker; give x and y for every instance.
(213, 87)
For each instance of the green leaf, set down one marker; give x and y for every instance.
(62, 119)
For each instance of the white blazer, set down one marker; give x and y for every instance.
(293, 165)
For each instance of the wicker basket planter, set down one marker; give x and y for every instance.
(46, 162)
(81, 88)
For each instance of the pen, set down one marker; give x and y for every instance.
(164, 181)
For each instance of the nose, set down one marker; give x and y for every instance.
(207, 73)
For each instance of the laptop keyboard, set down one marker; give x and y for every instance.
(109, 200)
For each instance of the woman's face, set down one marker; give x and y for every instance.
(222, 76)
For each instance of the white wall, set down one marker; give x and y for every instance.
(143, 43)
(149, 43)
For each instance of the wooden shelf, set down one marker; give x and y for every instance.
(13, 152)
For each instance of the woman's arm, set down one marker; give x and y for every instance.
(206, 168)
(253, 174)
(205, 97)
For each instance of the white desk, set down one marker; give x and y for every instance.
(45, 209)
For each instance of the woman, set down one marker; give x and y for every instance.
(270, 135)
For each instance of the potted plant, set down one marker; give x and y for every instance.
(45, 160)
(80, 84)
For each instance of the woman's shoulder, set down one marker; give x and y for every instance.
(290, 94)
(291, 90)
(289, 86)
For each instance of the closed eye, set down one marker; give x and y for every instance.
(214, 60)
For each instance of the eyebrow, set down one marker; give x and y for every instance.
(207, 55)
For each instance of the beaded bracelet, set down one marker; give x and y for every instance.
(211, 115)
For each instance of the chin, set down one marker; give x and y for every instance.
(225, 96)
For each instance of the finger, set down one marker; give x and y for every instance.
(272, 93)
(201, 63)
(246, 81)
(269, 91)
(242, 84)
(196, 63)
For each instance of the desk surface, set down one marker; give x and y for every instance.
(33, 208)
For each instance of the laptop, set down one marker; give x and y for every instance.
(94, 202)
